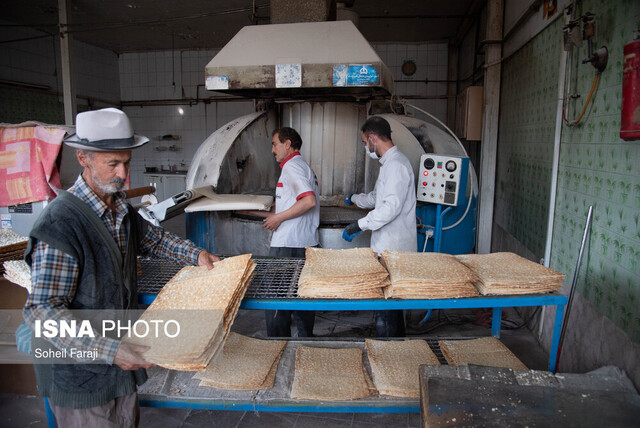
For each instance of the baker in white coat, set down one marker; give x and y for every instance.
(393, 219)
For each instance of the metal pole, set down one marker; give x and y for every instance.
(69, 94)
(557, 140)
(490, 124)
(587, 227)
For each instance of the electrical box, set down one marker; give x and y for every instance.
(442, 179)
(469, 113)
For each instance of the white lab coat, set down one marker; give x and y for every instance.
(393, 219)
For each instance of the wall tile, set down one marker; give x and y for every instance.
(596, 168)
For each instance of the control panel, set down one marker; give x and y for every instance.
(442, 179)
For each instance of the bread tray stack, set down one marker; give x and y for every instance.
(427, 276)
(353, 273)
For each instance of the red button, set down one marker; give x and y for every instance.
(426, 173)
(424, 183)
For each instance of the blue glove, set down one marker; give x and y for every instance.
(347, 199)
(351, 231)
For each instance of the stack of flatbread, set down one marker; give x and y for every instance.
(12, 246)
(204, 303)
(18, 271)
(395, 364)
(245, 364)
(427, 276)
(330, 374)
(487, 351)
(508, 273)
(346, 274)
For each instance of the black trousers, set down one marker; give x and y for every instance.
(389, 323)
(279, 321)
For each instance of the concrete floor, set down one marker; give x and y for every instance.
(28, 411)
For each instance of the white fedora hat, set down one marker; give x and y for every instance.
(104, 130)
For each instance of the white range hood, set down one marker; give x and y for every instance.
(300, 60)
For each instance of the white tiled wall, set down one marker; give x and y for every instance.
(167, 76)
(192, 127)
(37, 61)
(431, 61)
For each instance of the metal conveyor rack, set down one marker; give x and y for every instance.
(273, 278)
(275, 283)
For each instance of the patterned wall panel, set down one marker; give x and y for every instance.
(596, 166)
(525, 144)
(19, 105)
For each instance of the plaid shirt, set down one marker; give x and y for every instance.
(54, 274)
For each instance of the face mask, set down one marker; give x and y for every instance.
(371, 154)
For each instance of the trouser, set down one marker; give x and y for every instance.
(279, 321)
(121, 412)
(390, 323)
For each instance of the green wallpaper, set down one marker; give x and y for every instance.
(19, 105)
(525, 143)
(596, 166)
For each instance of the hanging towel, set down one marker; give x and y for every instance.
(28, 170)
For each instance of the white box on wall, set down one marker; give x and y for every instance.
(469, 113)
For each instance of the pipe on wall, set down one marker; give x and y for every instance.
(554, 172)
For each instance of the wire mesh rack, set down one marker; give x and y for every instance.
(155, 274)
(435, 347)
(274, 278)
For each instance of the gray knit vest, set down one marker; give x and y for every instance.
(106, 281)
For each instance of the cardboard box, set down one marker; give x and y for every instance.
(469, 113)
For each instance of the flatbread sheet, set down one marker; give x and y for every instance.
(352, 262)
(196, 292)
(508, 273)
(12, 246)
(486, 351)
(246, 364)
(191, 343)
(9, 239)
(427, 276)
(425, 267)
(395, 364)
(18, 272)
(230, 202)
(330, 374)
(348, 274)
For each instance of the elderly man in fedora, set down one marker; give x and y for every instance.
(82, 251)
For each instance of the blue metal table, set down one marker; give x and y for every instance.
(275, 286)
(286, 298)
(495, 302)
(163, 271)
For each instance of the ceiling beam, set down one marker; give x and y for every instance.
(471, 18)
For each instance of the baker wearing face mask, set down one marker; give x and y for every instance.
(393, 219)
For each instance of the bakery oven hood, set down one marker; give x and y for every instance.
(324, 80)
(300, 61)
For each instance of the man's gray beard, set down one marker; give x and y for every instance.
(114, 186)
